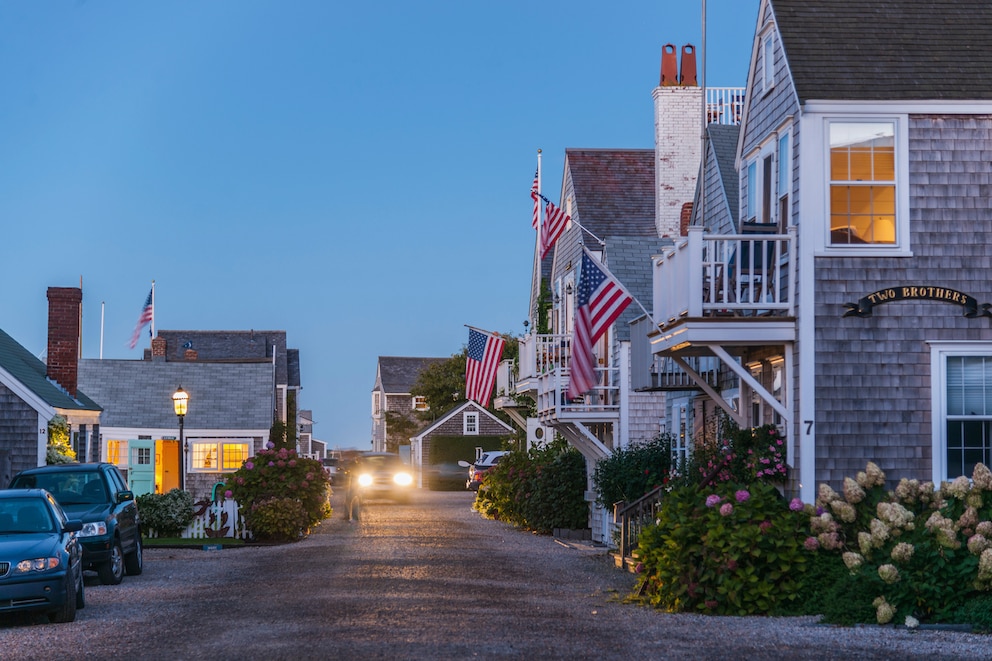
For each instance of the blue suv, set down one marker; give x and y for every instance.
(97, 495)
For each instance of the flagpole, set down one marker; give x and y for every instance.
(634, 298)
(579, 225)
(152, 328)
(537, 249)
(103, 305)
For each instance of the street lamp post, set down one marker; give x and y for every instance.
(180, 401)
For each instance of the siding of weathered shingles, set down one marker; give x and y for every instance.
(767, 112)
(873, 374)
(18, 431)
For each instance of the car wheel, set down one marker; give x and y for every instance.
(112, 571)
(67, 612)
(80, 596)
(134, 561)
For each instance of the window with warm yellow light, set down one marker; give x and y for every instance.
(862, 183)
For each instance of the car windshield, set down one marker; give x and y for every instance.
(68, 487)
(25, 515)
(377, 463)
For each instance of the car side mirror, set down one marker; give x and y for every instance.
(124, 496)
(463, 463)
(73, 525)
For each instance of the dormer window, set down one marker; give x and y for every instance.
(767, 63)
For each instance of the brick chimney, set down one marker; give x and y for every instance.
(190, 354)
(159, 346)
(64, 315)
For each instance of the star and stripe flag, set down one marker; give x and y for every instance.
(485, 350)
(600, 299)
(146, 317)
(555, 220)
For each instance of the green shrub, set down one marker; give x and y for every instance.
(280, 473)
(976, 612)
(729, 550)
(277, 519)
(632, 471)
(167, 514)
(541, 489)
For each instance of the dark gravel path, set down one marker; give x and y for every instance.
(429, 580)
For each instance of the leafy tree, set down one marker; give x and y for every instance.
(291, 436)
(400, 428)
(59, 449)
(277, 434)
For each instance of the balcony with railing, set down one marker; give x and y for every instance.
(725, 289)
(724, 105)
(543, 372)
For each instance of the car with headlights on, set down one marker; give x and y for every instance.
(97, 494)
(380, 475)
(41, 567)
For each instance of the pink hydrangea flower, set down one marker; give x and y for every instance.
(228, 494)
(742, 496)
(811, 543)
(796, 505)
(249, 465)
(712, 500)
(726, 509)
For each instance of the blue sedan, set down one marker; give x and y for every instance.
(41, 565)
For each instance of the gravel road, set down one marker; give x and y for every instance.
(429, 580)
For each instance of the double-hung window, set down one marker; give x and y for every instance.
(769, 180)
(470, 424)
(862, 182)
(962, 408)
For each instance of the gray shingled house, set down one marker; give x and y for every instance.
(626, 205)
(238, 383)
(850, 300)
(454, 436)
(32, 392)
(395, 377)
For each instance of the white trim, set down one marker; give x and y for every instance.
(976, 107)
(940, 350)
(27, 395)
(806, 330)
(474, 416)
(814, 196)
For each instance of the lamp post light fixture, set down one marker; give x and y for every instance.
(180, 401)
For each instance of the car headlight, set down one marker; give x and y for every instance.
(403, 479)
(93, 529)
(37, 564)
(365, 480)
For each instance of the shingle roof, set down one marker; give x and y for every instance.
(887, 49)
(30, 372)
(398, 374)
(723, 140)
(629, 259)
(227, 345)
(614, 190)
(138, 393)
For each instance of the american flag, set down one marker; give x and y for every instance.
(535, 194)
(555, 221)
(484, 353)
(146, 316)
(600, 300)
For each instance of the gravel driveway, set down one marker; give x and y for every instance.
(430, 580)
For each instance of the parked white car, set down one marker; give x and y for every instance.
(482, 465)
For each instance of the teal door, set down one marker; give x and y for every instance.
(141, 467)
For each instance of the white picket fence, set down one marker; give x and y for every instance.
(214, 520)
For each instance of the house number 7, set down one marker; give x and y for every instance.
(809, 427)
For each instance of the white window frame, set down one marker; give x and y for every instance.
(814, 198)
(753, 188)
(218, 446)
(470, 423)
(767, 62)
(376, 404)
(419, 403)
(940, 351)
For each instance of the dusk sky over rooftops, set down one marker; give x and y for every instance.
(356, 174)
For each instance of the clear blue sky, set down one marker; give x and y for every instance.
(354, 173)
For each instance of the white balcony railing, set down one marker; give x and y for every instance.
(543, 370)
(710, 275)
(724, 105)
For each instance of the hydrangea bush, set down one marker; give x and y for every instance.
(280, 474)
(167, 514)
(920, 552)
